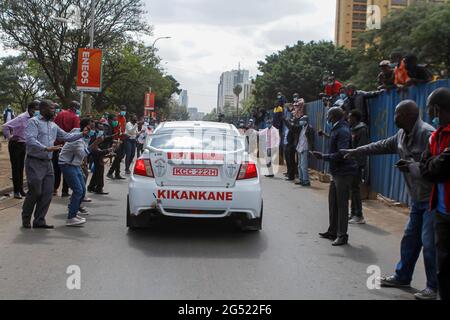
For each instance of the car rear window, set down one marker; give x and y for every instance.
(207, 139)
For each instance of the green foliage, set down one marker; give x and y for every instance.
(422, 29)
(21, 81)
(129, 71)
(300, 69)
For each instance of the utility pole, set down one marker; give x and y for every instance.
(91, 46)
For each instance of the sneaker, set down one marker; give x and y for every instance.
(81, 218)
(357, 220)
(74, 222)
(306, 184)
(85, 199)
(119, 178)
(17, 195)
(392, 282)
(83, 210)
(426, 294)
(110, 176)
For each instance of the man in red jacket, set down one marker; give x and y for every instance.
(120, 152)
(67, 120)
(435, 167)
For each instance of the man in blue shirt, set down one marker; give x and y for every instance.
(40, 135)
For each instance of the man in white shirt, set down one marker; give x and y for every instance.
(131, 132)
(269, 139)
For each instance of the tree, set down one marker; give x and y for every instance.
(422, 29)
(20, 81)
(129, 72)
(29, 26)
(237, 92)
(301, 68)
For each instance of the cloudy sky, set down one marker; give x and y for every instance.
(213, 36)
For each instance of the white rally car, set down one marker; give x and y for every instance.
(195, 170)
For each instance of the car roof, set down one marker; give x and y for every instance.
(199, 125)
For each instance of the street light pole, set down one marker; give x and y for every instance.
(154, 42)
(153, 47)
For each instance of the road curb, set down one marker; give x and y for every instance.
(6, 190)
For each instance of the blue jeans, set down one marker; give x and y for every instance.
(74, 177)
(419, 232)
(130, 151)
(303, 173)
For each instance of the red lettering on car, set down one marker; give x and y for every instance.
(161, 194)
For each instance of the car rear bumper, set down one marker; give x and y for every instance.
(145, 195)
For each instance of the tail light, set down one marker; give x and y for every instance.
(247, 171)
(143, 167)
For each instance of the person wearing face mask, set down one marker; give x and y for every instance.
(14, 132)
(67, 120)
(332, 87)
(304, 144)
(435, 167)
(386, 77)
(70, 161)
(8, 114)
(342, 172)
(98, 155)
(291, 139)
(269, 141)
(299, 104)
(119, 130)
(357, 100)
(41, 134)
(131, 132)
(409, 143)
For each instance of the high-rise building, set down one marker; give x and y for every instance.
(351, 17)
(228, 81)
(184, 100)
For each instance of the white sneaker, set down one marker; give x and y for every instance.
(357, 220)
(74, 222)
(81, 218)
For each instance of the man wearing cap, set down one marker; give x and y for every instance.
(386, 77)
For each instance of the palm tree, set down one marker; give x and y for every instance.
(237, 91)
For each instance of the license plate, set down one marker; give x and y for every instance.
(195, 172)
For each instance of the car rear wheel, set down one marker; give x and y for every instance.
(251, 225)
(137, 222)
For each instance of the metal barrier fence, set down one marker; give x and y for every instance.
(383, 177)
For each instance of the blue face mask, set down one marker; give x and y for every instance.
(436, 122)
(123, 113)
(302, 123)
(343, 96)
(91, 133)
(329, 125)
(86, 140)
(37, 113)
(78, 112)
(100, 133)
(57, 110)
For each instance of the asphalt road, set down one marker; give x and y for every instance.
(200, 260)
